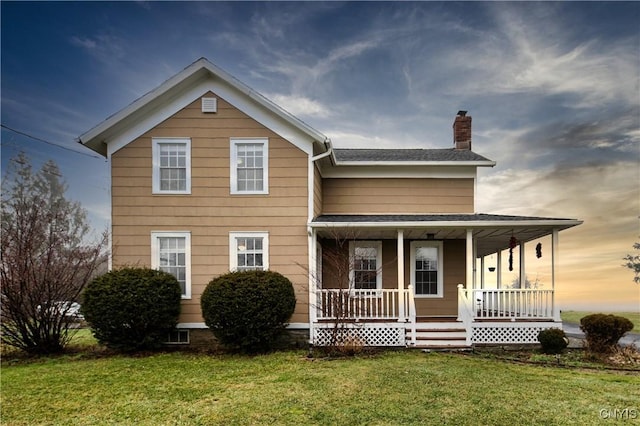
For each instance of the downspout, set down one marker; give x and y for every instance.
(327, 153)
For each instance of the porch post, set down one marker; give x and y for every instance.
(522, 272)
(482, 272)
(499, 269)
(401, 298)
(470, 260)
(313, 278)
(554, 263)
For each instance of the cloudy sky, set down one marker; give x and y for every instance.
(553, 89)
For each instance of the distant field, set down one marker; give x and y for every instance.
(574, 317)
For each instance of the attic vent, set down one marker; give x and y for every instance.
(209, 104)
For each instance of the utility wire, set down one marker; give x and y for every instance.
(48, 142)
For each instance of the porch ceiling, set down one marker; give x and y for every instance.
(491, 232)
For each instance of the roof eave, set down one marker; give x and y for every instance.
(200, 69)
(487, 163)
(551, 223)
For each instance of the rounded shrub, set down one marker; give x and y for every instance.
(553, 340)
(247, 311)
(603, 331)
(132, 308)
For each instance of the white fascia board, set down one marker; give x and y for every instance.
(557, 223)
(487, 163)
(183, 88)
(400, 171)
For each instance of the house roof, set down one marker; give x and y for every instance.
(182, 89)
(405, 156)
(491, 232)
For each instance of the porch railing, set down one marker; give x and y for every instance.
(357, 305)
(506, 303)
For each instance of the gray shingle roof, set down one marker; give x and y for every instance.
(478, 217)
(393, 155)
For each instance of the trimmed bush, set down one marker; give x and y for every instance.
(247, 311)
(603, 331)
(553, 340)
(132, 308)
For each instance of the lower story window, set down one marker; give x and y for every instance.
(366, 265)
(426, 268)
(248, 251)
(171, 252)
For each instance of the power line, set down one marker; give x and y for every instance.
(48, 142)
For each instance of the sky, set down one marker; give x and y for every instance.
(553, 89)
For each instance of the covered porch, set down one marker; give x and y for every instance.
(421, 280)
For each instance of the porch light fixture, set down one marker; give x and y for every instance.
(492, 268)
(431, 236)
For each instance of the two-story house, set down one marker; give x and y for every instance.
(209, 176)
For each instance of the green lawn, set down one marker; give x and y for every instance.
(404, 387)
(574, 317)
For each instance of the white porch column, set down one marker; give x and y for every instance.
(499, 269)
(470, 260)
(554, 273)
(522, 272)
(313, 278)
(482, 272)
(401, 298)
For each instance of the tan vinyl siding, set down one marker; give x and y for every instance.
(396, 196)
(317, 192)
(210, 212)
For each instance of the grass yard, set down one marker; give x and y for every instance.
(403, 387)
(574, 317)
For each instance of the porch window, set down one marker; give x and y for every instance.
(249, 166)
(426, 268)
(171, 252)
(248, 251)
(171, 165)
(366, 265)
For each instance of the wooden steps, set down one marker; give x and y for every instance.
(438, 333)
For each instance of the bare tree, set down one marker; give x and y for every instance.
(632, 261)
(345, 291)
(528, 284)
(45, 261)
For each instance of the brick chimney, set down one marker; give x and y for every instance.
(462, 131)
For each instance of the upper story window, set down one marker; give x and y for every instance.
(426, 268)
(248, 251)
(171, 165)
(171, 252)
(366, 265)
(249, 166)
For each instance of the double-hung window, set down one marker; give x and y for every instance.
(249, 166)
(366, 265)
(171, 165)
(171, 252)
(248, 251)
(426, 268)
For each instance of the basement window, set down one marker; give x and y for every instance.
(178, 337)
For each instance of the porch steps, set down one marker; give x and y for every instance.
(438, 333)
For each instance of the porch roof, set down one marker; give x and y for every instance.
(492, 232)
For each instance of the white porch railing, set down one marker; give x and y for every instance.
(359, 305)
(505, 303)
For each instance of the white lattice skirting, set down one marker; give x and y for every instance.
(519, 333)
(360, 334)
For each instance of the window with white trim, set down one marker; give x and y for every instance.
(171, 252)
(366, 265)
(248, 251)
(171, 165)
(249, 166)
(426, 268)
